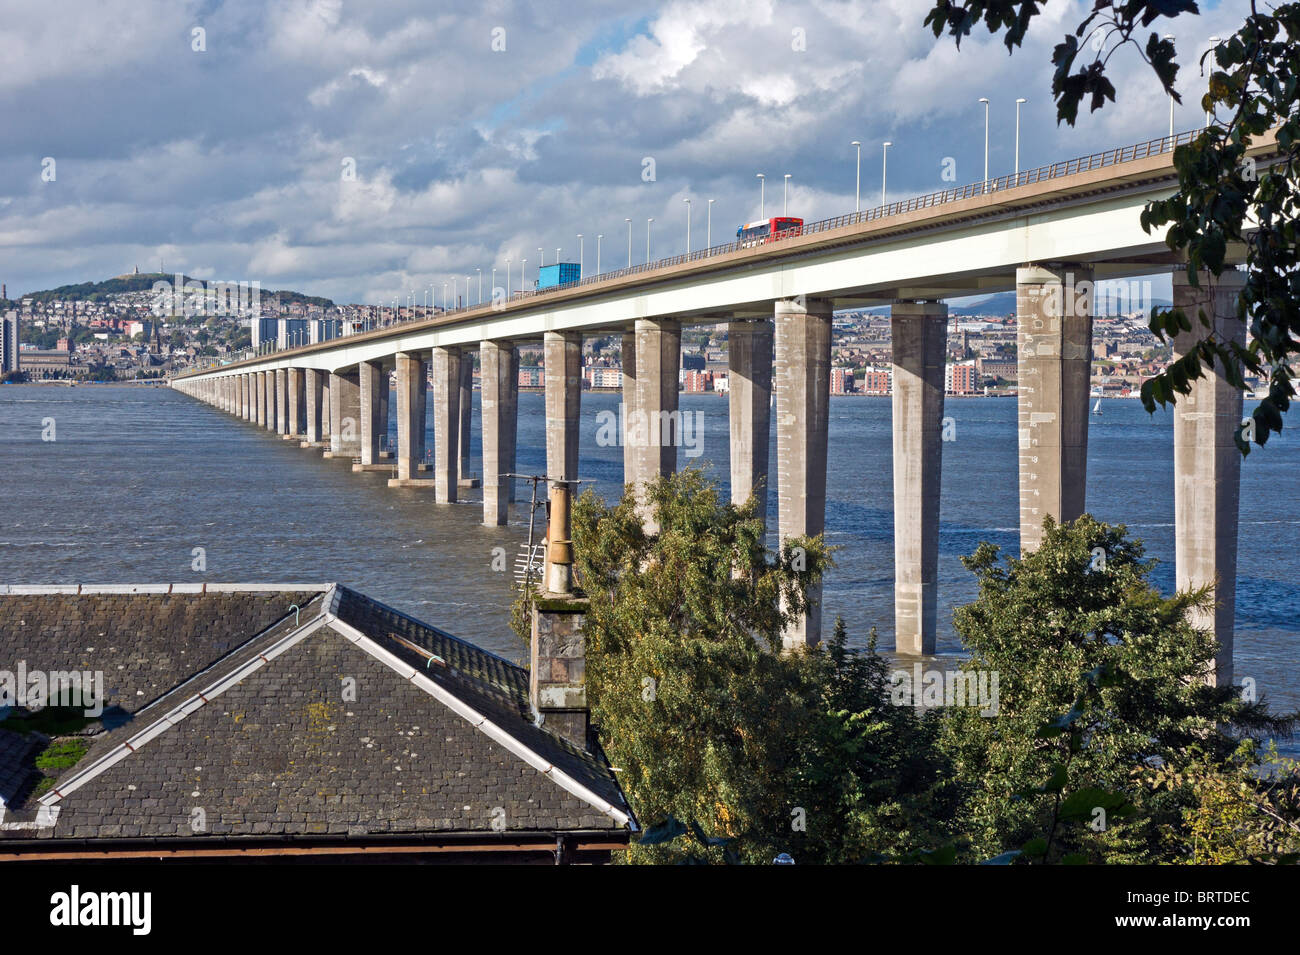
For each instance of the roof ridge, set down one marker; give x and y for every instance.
(343, 588)
(172, 588)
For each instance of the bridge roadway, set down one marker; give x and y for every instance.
(1048, 233)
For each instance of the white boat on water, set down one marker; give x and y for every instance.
(1096, 409)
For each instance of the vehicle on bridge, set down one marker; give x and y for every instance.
(768, 230)
(562, 273)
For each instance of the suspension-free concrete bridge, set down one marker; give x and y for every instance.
(1048, 233)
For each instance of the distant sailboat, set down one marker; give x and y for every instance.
(1096, 409)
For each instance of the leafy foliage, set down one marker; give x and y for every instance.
(1224, 198)
(713, 729)
(1100, 678)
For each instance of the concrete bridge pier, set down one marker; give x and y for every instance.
(919, 336)
(326, 424)
(629, 406)
(385, 390)
(412, 405)
(1207, 464)
(656, 426)
(313, 392)
(446, 423)
(281, 401)
(466, 407)
(1054, 361)
(802, 346)
(345, 414)
(250, 397)
(373, 422)
(749, 397)
(499, 393)
(297, 418)
(241, 397)
(259, 377)
(563, 357)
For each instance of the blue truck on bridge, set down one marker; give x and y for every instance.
(562, 273)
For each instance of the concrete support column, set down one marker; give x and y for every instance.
(1207, 464)
(262, 396)
(563, 357)
(241, 396)
(446, 423)
(314, 392)
(656, 428)
(1054, 361)
(919, 336)
(345, 414)
(281, 401)
(326, 409)
(466, 416)
(412, 389)
(499, 391)
(629, 411)
(297, 419)
(802, 345)
(373, 424)
(749, 395)
(385, 448)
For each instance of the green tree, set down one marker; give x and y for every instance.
(1100, 678)
(1223, 197)
(715, 731)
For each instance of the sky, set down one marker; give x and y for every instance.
(362, 151)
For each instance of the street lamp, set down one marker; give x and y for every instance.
(581, 257)
(542, 260)
(708, 229)
(688, 225)
(985, 101)
(762, 196)
(480, 285)
(444, 296)
(523, 273)
(493, 286)
(1170, 38)
(1019, 102)
(508, 261)
(785, 195)
(647, 239)
(857, 188)
(629, 242)
(599, 236)
(884, 169)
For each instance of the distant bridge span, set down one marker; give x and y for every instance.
(1048, 233)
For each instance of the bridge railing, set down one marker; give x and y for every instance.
(1028, 177)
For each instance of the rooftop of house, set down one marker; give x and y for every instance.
(293, 715)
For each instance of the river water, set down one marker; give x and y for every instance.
(137, 478)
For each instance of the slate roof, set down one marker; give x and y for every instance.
(346, 718)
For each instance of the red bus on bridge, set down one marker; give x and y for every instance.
(768, 230)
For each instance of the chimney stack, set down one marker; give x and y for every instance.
(558, 652)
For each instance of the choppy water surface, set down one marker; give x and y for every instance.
(136, 478)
